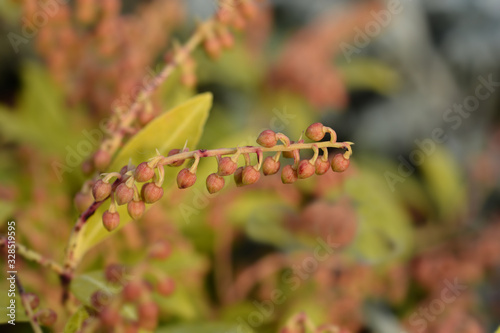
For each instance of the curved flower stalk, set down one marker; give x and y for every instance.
(122, 187)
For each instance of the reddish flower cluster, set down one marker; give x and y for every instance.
(124, 189)
(134, 291)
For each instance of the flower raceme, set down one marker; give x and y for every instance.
(124, 189)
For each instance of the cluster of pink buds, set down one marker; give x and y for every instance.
(124, 191)
(44, 317)
(231, 13)
(136, 291)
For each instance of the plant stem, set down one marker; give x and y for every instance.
(27, 308)
(31, 255)
(254, 150)
(126, 119)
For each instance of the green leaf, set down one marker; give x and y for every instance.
(84, 285)
(173, 129)
(74, 323)
(445, 184)
(372, 74)
(384, 232)
(41, 117)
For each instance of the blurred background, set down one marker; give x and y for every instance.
(415, 219)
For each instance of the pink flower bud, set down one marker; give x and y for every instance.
(227, 166)
(250, 175)
(305, 169)
(238, 177)
(270, 166)
(185, 178)
(224, 15)
(87, 167)
(212, 47)
(340, 163)
(215, 183)
(315, 132)
(165, 286)
(148, 315)
(189, 80)
(123, 194)
(267, 139)
(115, 274)
(109, 317)
(102, 159)
(101, 190)
(226, 39)
(151, 193)
(145, 117)
(32, 299)
(143, 172)
(238, 21)
(110, 220)
(160, 250)
(126, 168)
(83, 201)
(132, 291)
(288, 175)
(248, 9)
(176, 163)
(46, 317)
(136, 208)
(322, 166)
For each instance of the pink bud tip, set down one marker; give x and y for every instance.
(340, 163)
(166, 286)
(270, 166)
(227, 166)
(250, 175)
(215, 183)
(143, 172)
(102, 159)
(123, 194)
(101, 190)
(151, 193)
(315, 132)
(185, 179)
(160, 250)
(288, 175)
(305, 169)
(110, 220)
(322, 166)
(267, 139)
(136, 209)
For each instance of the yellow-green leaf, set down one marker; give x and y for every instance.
(445, 184)
(74, 323)
(170, 130)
